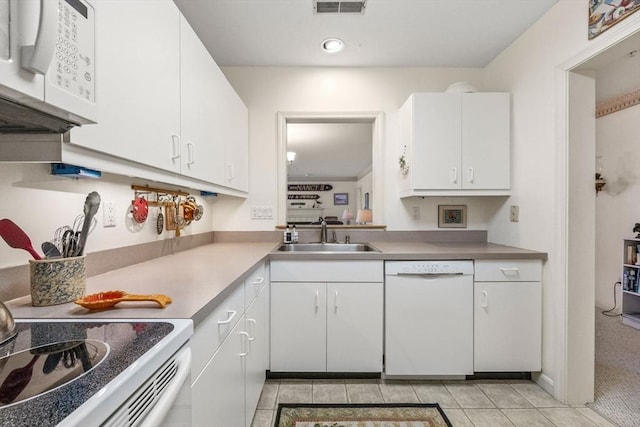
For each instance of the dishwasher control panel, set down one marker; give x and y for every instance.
(428, 267)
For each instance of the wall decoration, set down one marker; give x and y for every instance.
(604, 14)
(404, 163)
(309, 187)
(303, 196)
(452, 216)
(340, 198)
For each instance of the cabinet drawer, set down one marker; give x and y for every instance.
(254, 284)
(520, 270)
(327, 271)
(214, 329)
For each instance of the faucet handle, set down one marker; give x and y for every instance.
(347, 239)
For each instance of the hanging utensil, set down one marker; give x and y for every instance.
(140, 209)
(91, 205)
(160, 222)
(16, 237)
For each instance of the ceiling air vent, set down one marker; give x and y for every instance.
(342, 6)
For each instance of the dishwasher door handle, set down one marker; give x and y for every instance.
(430, 274)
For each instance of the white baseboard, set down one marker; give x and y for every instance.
(543, 381)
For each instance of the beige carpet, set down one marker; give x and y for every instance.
(617, 371)
(361, 415)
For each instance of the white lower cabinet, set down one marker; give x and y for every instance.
(332, 324)
(217, 396)
(225, 390)
(508, 316)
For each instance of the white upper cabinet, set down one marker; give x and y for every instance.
(456, 144)
(164, 102)
(201, 152)
(139, 92)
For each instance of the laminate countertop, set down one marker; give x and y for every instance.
(199, 279)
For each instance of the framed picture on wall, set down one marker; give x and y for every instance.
(340, 198)
(452, 216)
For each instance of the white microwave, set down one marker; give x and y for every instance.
(47, 65)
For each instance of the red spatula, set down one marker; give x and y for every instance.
(16, 238)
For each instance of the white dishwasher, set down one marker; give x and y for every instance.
(429, 318)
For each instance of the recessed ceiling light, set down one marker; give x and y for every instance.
(332, 45)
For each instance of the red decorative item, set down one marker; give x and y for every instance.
(140, 210)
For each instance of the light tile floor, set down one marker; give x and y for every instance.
(466, 403)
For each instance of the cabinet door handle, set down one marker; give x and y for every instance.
(230, 172)
(231, 314)
(336, 303)
(454, 175)
(259, 281)
(317, 299)
(509, 271)
(485, 302)
(471, 176)
(243, 351)
(191, 153)
(175, 146)
(254, 323)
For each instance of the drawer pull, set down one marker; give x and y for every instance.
(231, 314)
(509, 271)
(254, 323)
(243, 351)
(259, 281)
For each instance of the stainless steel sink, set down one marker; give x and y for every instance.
(327, 247)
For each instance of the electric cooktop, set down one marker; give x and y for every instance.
(50, 369)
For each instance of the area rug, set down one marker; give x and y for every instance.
(361, 415)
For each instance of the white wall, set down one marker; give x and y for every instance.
(530, 69)
(39, 203)
(269, 90)
(618, 206)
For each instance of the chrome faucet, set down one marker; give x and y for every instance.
(323, 230)
(7, 324)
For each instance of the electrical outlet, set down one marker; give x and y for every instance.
(415, 212)
(108, 214)
(514, 213)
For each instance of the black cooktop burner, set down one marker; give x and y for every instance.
(38, 370)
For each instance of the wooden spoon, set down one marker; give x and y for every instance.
(108, 299)
(16, 237)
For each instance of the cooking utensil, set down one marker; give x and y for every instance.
(16, 381)
(91, 205)
(51, 362)
(16, 237)
(50, 250)
(160, 222)
(140, 210)
(108, 299)
(70, 243)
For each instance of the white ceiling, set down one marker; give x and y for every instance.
(394, 33)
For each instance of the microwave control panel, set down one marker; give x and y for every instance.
(73, 66)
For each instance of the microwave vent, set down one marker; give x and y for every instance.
(346, 6)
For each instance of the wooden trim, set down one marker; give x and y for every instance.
(618, 103)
